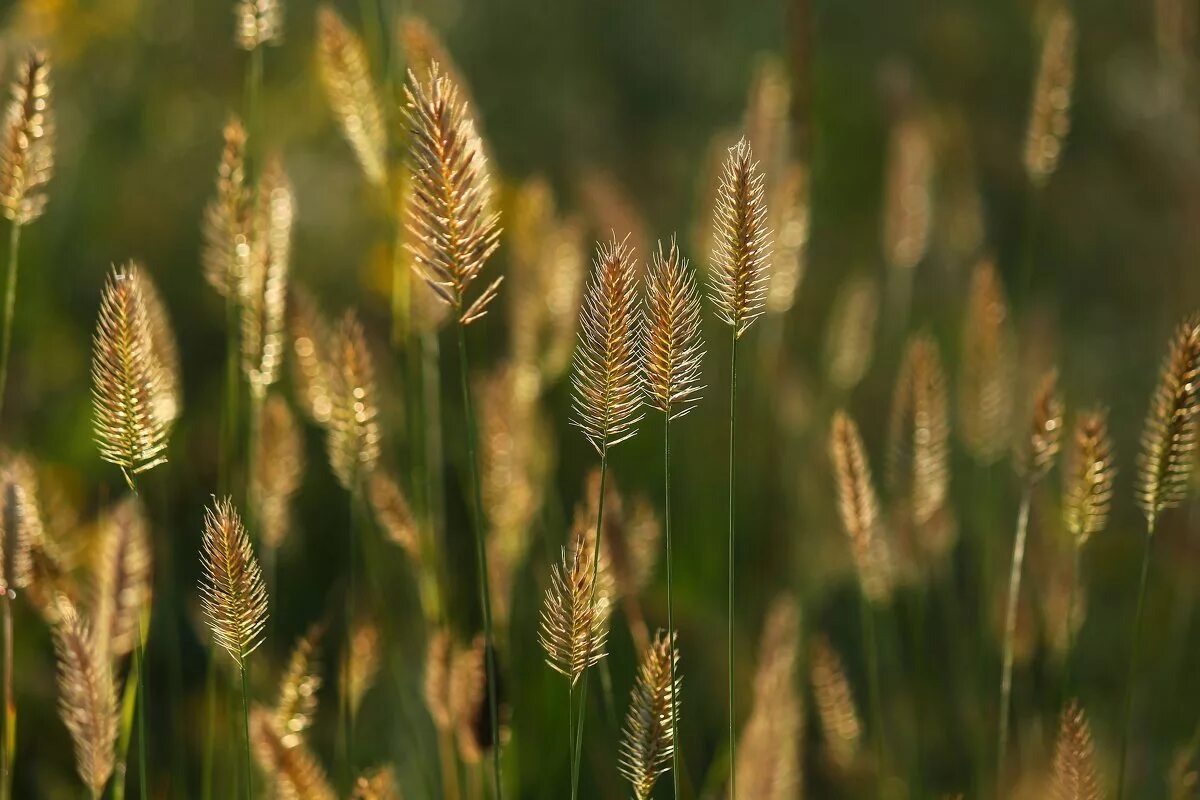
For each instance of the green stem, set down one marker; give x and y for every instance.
(732, 542)
(229, 420)
(129, 704)
(244, 669)
(595, 571)
(139, 656)
(1010, 633)
(871, 647)
(481, 560)
(257, 399)
(10, 307)
(571, 725)
(10, 706)
(670, 605)
(1133, 659)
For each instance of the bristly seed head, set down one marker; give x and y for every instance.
(450, 212)
(742, 243)
(264, 285)
(87, 699)
(607, 396)
(1087, 491)
(918, 470)
(354, 437)
(27, 148)
(1172, 425)
(673, 349)
(232, 591)
(279, 470)
(647, 741)
(229, 217)
(1075, 776)
(1038, 451)
(346, 74)
(859, 507)
(987, 367)
(259, 22)
(1050, 116)
(574, 620)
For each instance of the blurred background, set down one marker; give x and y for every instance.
(893, 135)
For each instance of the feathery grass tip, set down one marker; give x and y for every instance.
(673, 349)
(87, 698)
(858, 505)
(574, 618)
(232, 591)
(27, 148)
(354, 437)
(346, 75)
(741, 241)
(647, 740)
(1088, 480)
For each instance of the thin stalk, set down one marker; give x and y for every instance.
(450, 787)
(244, 669)
(1069, 655)
(139, 663)
(595, 571)
(257, 399)
(125, 737)
(10, 706)
(1010, 632)
(670, 606)
(732, 541)
(571, 725)
(10, 307)
(210, 689)
(347, 708)
(229, 420)
(1133, 659)
(481, 560)
(871, 647)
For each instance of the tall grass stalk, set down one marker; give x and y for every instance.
(1069, 655)
(670, 605)
(481, 561)
(583, 692)
(874, 691)
(10, 307)
(10, 707)
(1010, 632)
(732, 543)
(244, 669)
(1127, 714)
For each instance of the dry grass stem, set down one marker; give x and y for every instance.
(574, 618)
(229, 217)
(297, 703)
(294, 770)
(850, 336)
(311, 370)
(918, 469)
(264, 284)
(908, 190)
(1044, 438)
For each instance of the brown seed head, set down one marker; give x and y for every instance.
(259, 22)
(232, 591)
(297, 703)
(27, 148)
(365, 660)
(124, 579)
(450, 213)
(439, 657)
(264, 285)
(471, 704)
(1075, 775)
(127, 379)
(850, 335)
(836, 709)
(229, 217)
(377, 784)
(279, 470)
(647, 740)
(859, 507)
(673, 349)
(354, 437)
(168, 403)
(918, 459)
(311, 370)
(606, 394)
(346, 75)
(907, 198)
(1087, 484)
(986, 371)
(294, 770)
(393, 514)
(87, 699)
(1038, 451)
(1172, 425)
(742, 243)
(575, 614)
(1050, 115)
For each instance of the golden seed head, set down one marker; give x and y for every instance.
(907, 196)
(293, 769)
(279, 470)
(439, 660)
(377, 784)
(1075, 776)
(768, 754)
(836, 709)
(258, 23)
(647, 740)
(918, 469)
(1172, 425)
(168, 402)
(393, 514)
(986, 371)
(742, 243)
(124, 580)
(346, 75)
(311, 369)
(365, 660)
(1087, 489)
(21, 527)
(850, 336)
(264, 284)
(297, 703)
(232, 591)
(27, 148)
(1038, 451)
(1050, 115)
(672, 350)
(606, 396)
(792, 214)
(229, 217)
(575, 614)
(127, 378)
(859, 507)
(354, 436)
(87, 699)
(450, 216)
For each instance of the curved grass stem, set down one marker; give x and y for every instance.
(481, 561)
(1010, 633)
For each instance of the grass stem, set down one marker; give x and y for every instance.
(481, 560)
(670, 605)
(10, 706)
(1127, 715)
(583, 694)
(243, 668)
(731, 570)
(1010, 633)
(10, 307)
